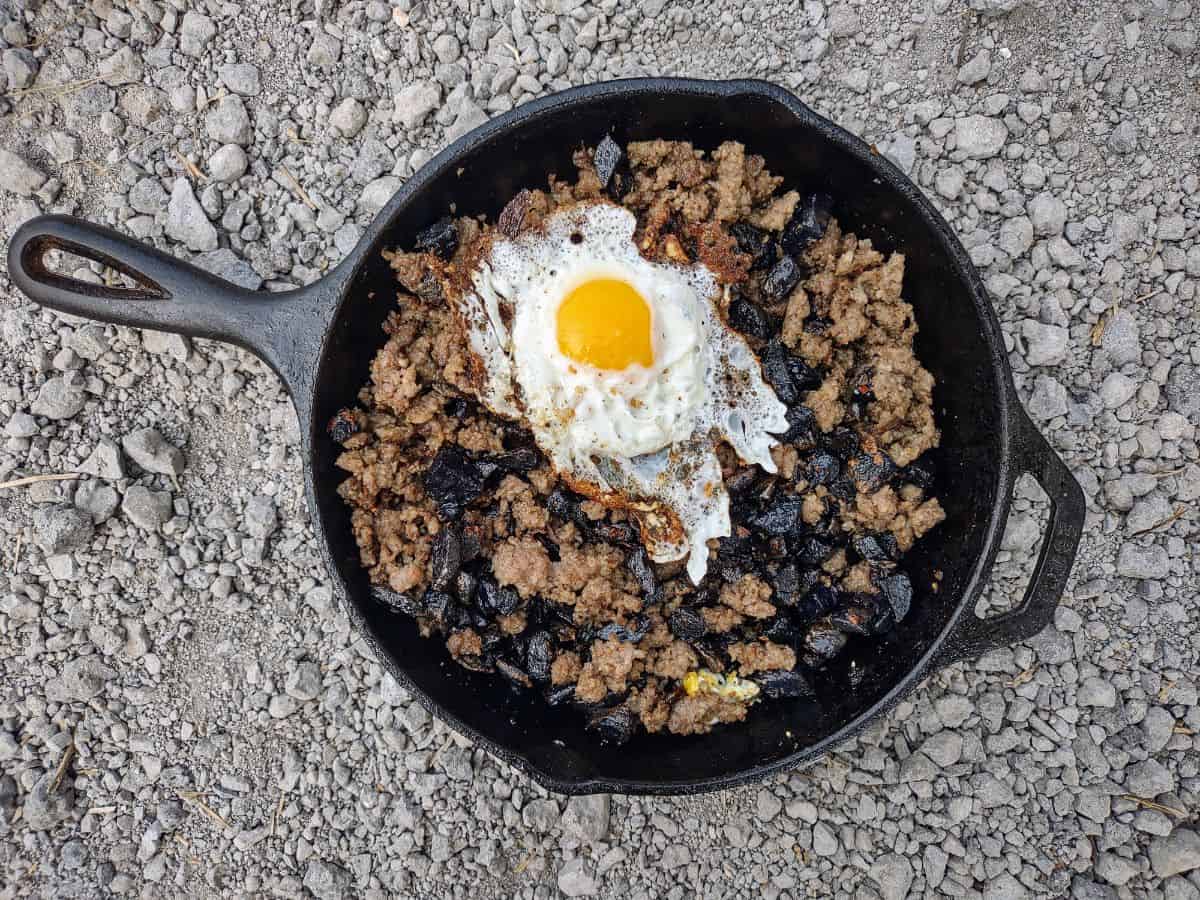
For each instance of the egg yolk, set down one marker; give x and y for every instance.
(605, 323)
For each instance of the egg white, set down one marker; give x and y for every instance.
(645, 433)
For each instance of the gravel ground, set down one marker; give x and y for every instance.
(186, 712)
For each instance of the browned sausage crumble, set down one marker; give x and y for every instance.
(462, 524)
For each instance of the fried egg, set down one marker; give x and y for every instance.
(623, 369)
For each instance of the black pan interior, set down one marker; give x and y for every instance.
(955, 343)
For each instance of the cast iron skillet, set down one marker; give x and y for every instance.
(320, 340)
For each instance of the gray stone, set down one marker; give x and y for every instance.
(1116, 390)
(326, 881)
(1178, 853)
(62, 146)
(1148, 779)
(45, 807)
(1158, 725)
(1048, 214)
(997, 8)
(60, 527)
(976, 69)
(825, 843)
(224, 263)
(105, 461)
(1021, 534)
(348, 117)
(949, 183)
(261, 517)
(1063, 253)
(416, 102)
(1052, 646)
(586, 818)
(1085, 889)
(74, 855)
(241, 78)
(325, 51)
(373, 160)
(1179, 888)
(1093, 804)
(1143, 561)
(1182, 41)
(991, 791)
(17, 176)
(90, 342)
(21, 425)
(576, 879)
(1016, 236)
(1124, 138)
(228, 164)
(767, 806)
(229, 123)
(152, 452)
(304, 681)
(1147, 512)
(902, 150)
(166, 343)
(21, 67)
(953, 710)
(469, 117)
(918, 767)
(123, 67)
(980, 137)
(195, 33)
(1183, 390)
(142, 104)
(376, 194)
(556, 62)
(934, 860)
(446, 48)
(281, 706)
(675, 856)
(1171, 228)
(329, 219)
(81, 679)
(943, 748)
(59, 397)
(147, 509)
(346, 237)
(844, 21)
(1120, 341)
(1045, 345)
(8, 791)
(148, 197)
(186, 219)
(1049, 398)
(1005, 887)
(1096, 692)
(98, 500)
(541, 815)
(894, 875)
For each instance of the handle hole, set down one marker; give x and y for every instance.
(1028, 522)
(83, 270)
(80, 268)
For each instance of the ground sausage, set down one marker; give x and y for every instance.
(522, 563)
(699, 713)
(607, 670)
(566, 668)
(761, 656)
(750, 596)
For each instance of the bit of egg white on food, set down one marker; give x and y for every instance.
(647, 433)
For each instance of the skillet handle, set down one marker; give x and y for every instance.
(285, 330)
(1068, 509)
